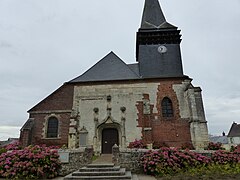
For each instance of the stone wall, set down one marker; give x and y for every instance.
(109, 101)
(72, 160)
(133, 108)
(142, 117)
(130, 158)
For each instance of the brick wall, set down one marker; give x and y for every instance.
(24, 137)
(159, 130)
(61, 99)
(39, 135)
(58, 104)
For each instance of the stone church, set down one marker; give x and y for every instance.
(116, 103)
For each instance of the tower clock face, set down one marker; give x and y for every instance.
(162, 49)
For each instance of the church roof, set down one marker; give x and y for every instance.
(153, 16)
(109, 68)
(135, 68)
(235, 130)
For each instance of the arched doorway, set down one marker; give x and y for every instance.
(109, 138)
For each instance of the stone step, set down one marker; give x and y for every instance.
(121, 172)
(97, 169)
(100, 165)
(126, 176)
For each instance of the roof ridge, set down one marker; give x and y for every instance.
(124, 63)
(111, 52)
(110, 67)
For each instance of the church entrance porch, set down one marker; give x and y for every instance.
(110, 137)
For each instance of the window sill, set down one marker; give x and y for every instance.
(168, 118)
(58, 138)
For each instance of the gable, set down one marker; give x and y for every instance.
(109, 68)
(61, 99)
(235, 130)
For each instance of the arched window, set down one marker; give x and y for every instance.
(167, 109)
(52, 127)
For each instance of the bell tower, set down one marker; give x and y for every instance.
(158, 44)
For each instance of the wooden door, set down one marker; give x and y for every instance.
(109, 138)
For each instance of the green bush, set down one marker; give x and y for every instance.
(215, 146)
(2, 150)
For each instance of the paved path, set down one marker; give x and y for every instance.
(103, 159)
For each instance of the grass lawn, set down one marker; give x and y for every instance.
(201, 177)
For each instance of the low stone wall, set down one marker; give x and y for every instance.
(208, 153)
(130, 158)
(72, 160)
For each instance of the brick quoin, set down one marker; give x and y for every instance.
(159, 130)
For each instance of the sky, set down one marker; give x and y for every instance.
(44, 43)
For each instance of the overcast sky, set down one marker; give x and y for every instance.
(44, 43)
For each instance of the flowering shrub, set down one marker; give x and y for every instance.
(168, 161)
(136, 144)
(225, 157)
(30, 163)
(237, 148)
(215, 146)
(13, 146)
(171, 161)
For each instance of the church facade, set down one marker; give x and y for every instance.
(116, 103)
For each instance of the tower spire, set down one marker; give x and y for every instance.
(158, 44)
(152, 15)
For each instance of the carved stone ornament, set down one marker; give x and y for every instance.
(123, 109)
(96, 110)
(109, 98)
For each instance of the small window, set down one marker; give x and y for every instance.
(52, 127)
(167, 109)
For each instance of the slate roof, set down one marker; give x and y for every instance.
(135, 68)
(219, 139)
(153, 16)
(9, 141)
(109, 68)
(234, 130)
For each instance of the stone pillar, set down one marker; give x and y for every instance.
(95, 115)
(123, 119)
(198, 123)
(89, 154)
(115, 155)
(73, 131)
